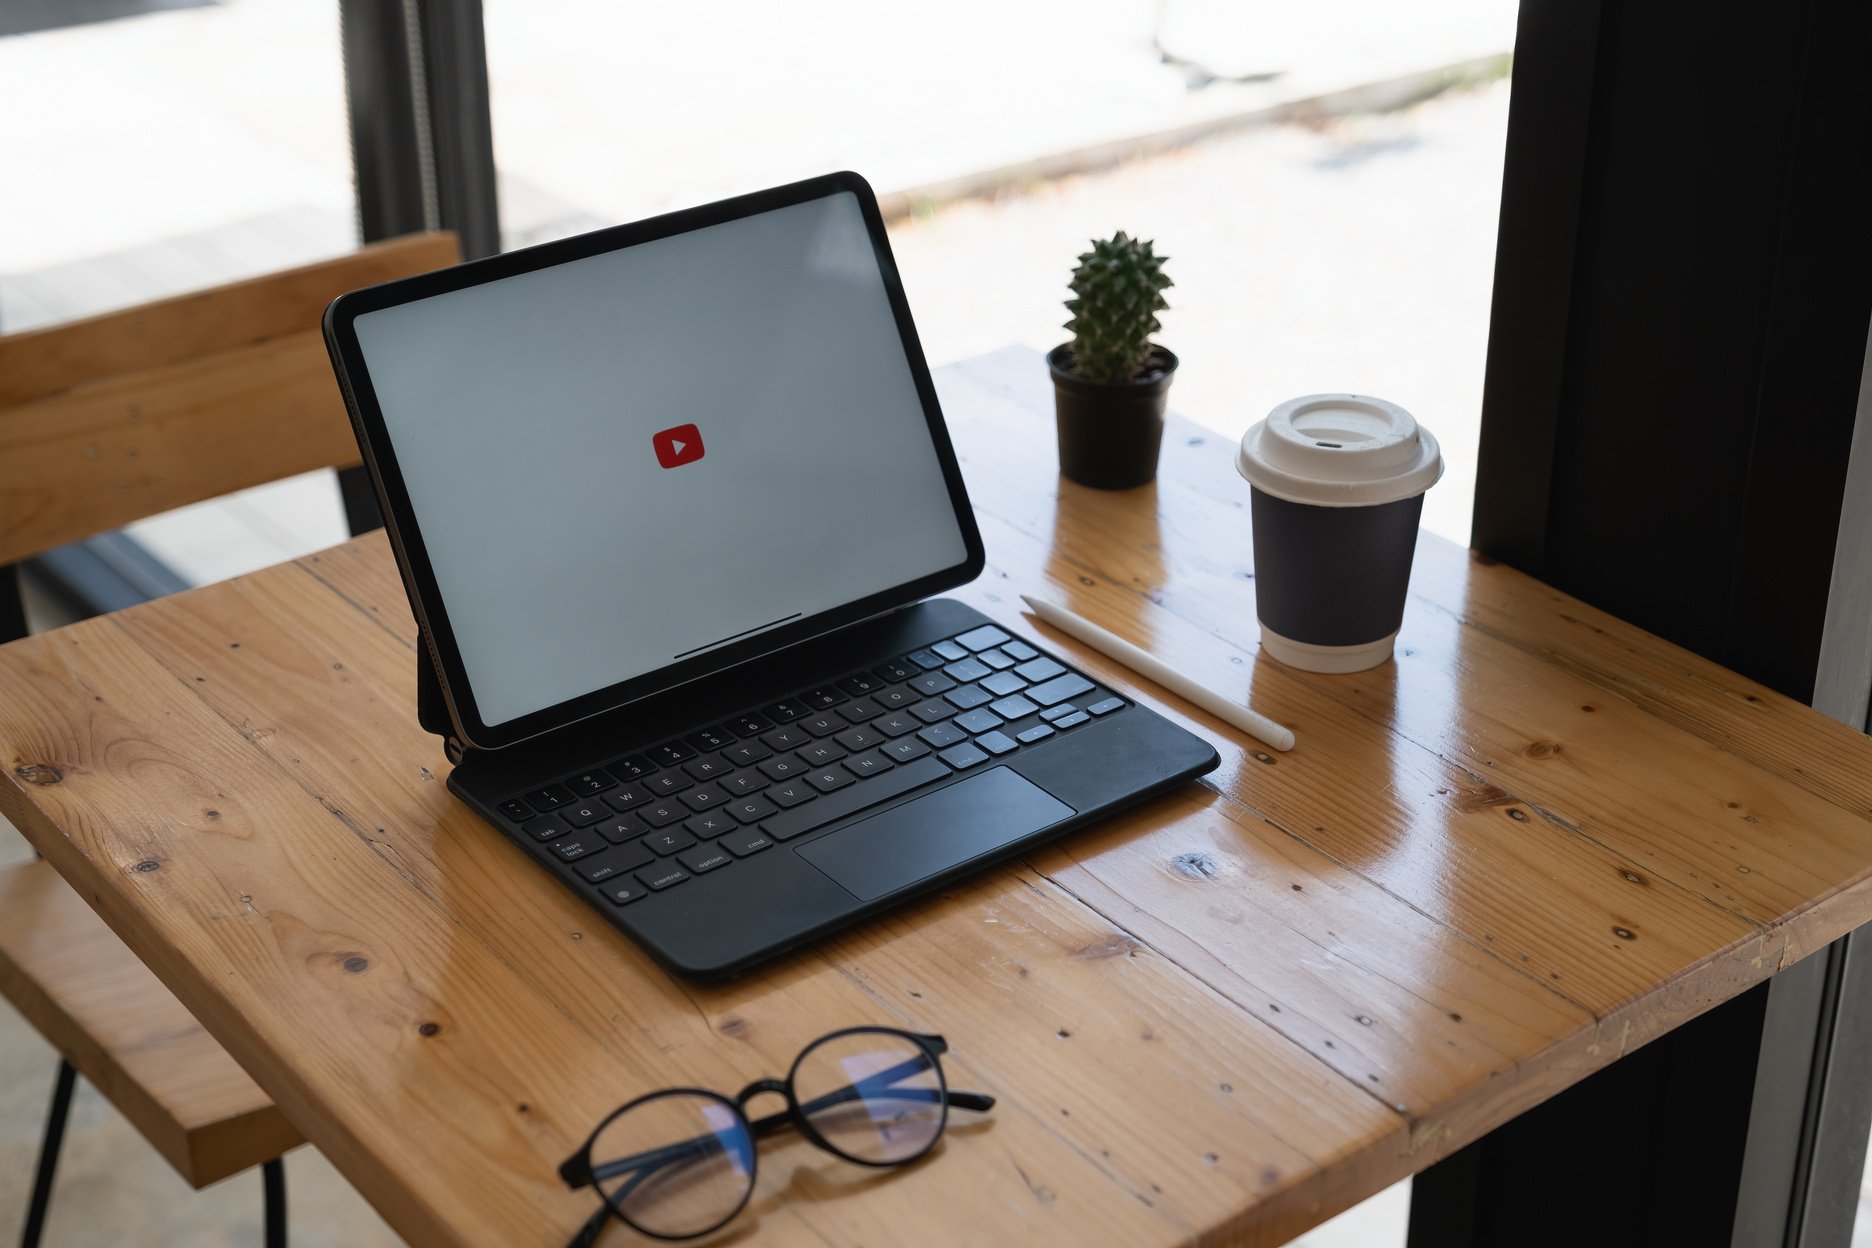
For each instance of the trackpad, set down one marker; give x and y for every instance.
(931, 834)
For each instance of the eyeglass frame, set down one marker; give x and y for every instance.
(577, 1172)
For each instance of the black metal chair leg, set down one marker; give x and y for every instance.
(49, 1154)
(273, 1179)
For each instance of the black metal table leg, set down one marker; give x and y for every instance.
(49, 1154)
(273, 1180)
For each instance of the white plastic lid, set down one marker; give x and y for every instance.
(1340, 450)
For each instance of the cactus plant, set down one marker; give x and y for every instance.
(1117, 292)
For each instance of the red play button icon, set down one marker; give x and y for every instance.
(678, 446)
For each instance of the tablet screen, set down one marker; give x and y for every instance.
(638, 457)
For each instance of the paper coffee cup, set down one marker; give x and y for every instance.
(1336, 487)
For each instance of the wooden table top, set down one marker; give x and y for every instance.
(1539, 839)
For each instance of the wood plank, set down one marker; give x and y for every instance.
(103, 455)
(43, 362)
(120, 417)
(93, 1001)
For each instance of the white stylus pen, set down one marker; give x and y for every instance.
(1144, 663)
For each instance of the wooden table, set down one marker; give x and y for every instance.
(1538, 840)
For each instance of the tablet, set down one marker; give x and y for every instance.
(619, 462)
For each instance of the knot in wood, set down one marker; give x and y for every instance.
(39, 773)
(1196, 865)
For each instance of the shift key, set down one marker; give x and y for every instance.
(834, 806)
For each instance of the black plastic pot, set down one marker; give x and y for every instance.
(1109, 434)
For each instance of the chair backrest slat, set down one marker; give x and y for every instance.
(115, 418)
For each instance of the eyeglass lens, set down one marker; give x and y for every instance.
(873, 1097)
(677, 1164)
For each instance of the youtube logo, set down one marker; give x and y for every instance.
(677, 446)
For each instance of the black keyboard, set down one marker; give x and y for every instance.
(659, 816)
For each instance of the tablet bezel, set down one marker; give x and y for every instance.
(405, 531)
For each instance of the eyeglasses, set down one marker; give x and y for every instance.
(680, 1163)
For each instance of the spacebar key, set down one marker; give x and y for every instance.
(834, 806)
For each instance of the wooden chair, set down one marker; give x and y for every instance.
(102, 422)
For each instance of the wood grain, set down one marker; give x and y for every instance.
(1224, 1016)
(127, 1034)
(116, 418)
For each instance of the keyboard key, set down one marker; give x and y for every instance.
(966, 670)
(983, 637)
(621, 828)
(787, 738)
(962, 756)
(663, 813)
(997, 743)
(1071, 685)
(1019, 651)
(669, 782)
(821, 753)
(545, 827)
(828, 779)
(623, 892)
(861, 683)
(791, 823)
(600, 867)
(858, 710)
(905, 749)
(896, 724)
(1073, 720)
(981, 719)
(636, 767)
(897, 697)
(515, 809)
(785, 711)
(708, 767)
(593, 781)
(1105, 707)
(932, 683)
(781, 766)
(747, 752)
(710, 739)
(822, 699)
(705, 798)
(669, 841)
(1039, 732)
(859, 738)
(750, 725)
(1001, 684)
(823, 724)
(926, 659)
(670, 753)
(548, 798)
(933, 711)
(968, 697)
(624, 858)
(572, 848)
(940, 735)
(629, 797)
(949, 650)
(751, 809)
(583, 814)
(1041, 668)
(996, 659)
(704, 858)
(896, 670)
(707, 827)
(791, 794)
(1058, 712)
(743, 783)
(869, 764)
(746, 841)
(662, 875)
(1013, 708)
